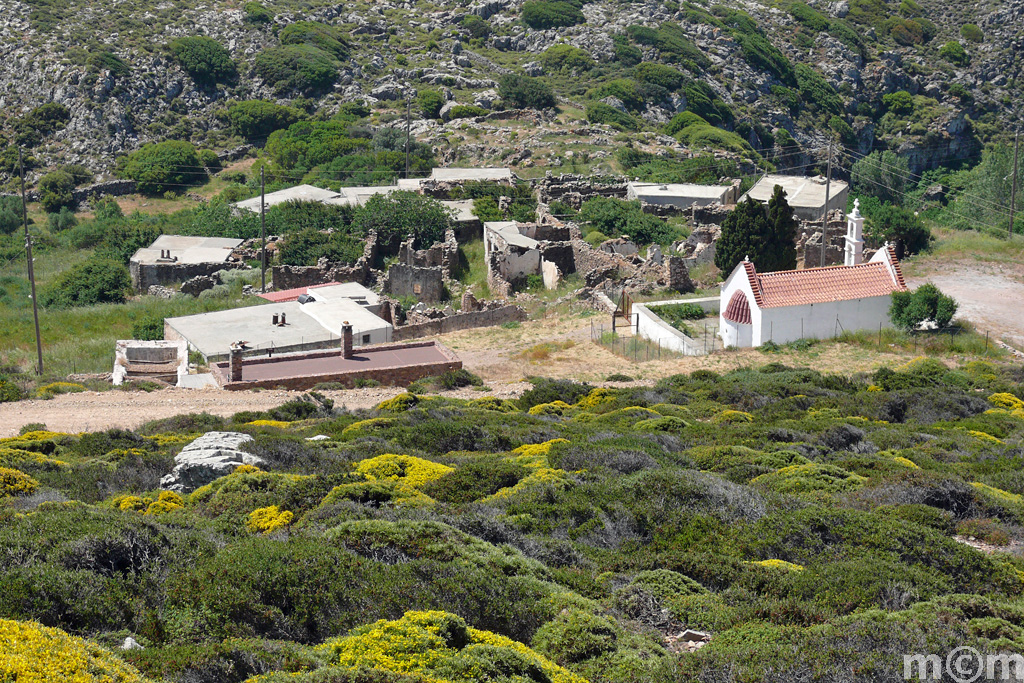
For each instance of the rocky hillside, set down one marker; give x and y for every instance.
(113, 66)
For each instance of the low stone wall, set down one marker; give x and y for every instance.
(460, 321)
(146, 274)
(402, 375)
(575, 189)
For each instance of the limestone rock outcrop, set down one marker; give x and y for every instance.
(209, 457)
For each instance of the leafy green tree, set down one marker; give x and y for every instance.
(987, 190)
(972, 33)
(95, 281)
(881, 174)
(204, 59)
(926, 304)
(55, 191)
(900, 227)
(10, 214)
(744, 232)
(296, 68)
(397, 215)
(162, 166)
(148, 328)
(606, 215)
(644, 229)
(257, 119)
(523, 91)
(430, 102)
(307, 246)
(62, 220)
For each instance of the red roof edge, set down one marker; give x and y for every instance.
(897, 271)
(755, 285)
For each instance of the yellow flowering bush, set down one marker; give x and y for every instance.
(779, 564)
(246, 469)
(875, 387)
(366, 426)
(733, 417)
(596, 398)
(985, 437)
(16, 483)
(399, 404)
(128, 503)
(414, 472)
(536, 455)
(15, 457)
(1006, 401)
(31, 653)
(493, 403)
(12, 441)
(172, 439)
(557, 408)
(56, 388)
(997, 494)
(809, 477)
(167, 501)
(440, 648)
(279, 424)
(906, 462)
(269, 519)
(119, 454)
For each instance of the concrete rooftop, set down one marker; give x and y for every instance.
(509, 231)
(188, 249)
(302, 193)
(680, 190)
(464, 174)
(212, 333)
(801, 191)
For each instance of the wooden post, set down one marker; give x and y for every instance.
(31, 267)
(824, 220)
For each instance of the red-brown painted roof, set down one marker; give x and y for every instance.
(286, 295)
(738, 310)
(821, 285)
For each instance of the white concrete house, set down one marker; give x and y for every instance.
(816, 303)
(805, 195)
(681, 195)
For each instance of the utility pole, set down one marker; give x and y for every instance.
(824, 218)
(1013, 190)
(408, 132)
(263, 232)
(31, 270)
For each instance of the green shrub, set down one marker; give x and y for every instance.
(477, 27)
(61, 221)
(628, 55)
(104, 60)
(900, 102)
(926, 303)
(971, 33)
(814, 88)
(598, 112)
(162, 166)
(659, 74)
(9, 390)
(430, 102)
(148, 329)
(954, 53)
(624, 89)
(204, 59)
(574, 636)
(844, 130)
(323, 36)
(545, 14)
(465, 111)
(475, 479)
(296, 68)
(899, 227)
(55, 190)
(524, 91)
(257, 119)
(95, 281)
(255, 13)
(809, 17)
(566, 58)
(673, 42)
(397, 215)
(308, 245)
(761, 54)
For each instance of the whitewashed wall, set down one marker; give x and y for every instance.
(818, 321)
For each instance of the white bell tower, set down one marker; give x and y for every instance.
(854, 236)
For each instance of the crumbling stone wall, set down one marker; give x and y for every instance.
(461, 321)
(808, 245)
(421, 283)
(575, 189)
(144, 275)
(325, 272)
(709, 214)
(443, 255)
(561, 254)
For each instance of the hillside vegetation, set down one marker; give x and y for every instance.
(810, 523)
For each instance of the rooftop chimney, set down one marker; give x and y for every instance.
(235, 362)
(346, 339)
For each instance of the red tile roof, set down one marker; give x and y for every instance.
(738, 310)
(286, 295)
(821, 285)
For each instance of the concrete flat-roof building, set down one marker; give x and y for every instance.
(805, 194)
(680, 195)
(299, 193)
(462, 175)
(286, 325)
(176, 258)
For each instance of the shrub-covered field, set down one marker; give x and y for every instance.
(812, 524)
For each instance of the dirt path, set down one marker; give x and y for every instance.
(991, 295)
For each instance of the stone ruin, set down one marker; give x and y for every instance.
(326, 272)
